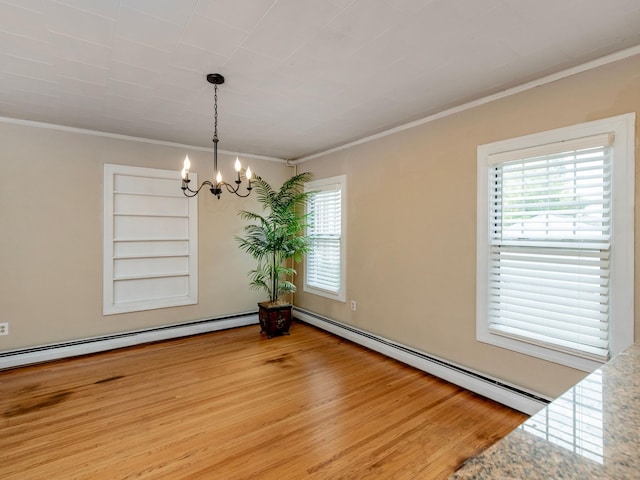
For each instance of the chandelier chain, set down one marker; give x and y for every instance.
(215, 113)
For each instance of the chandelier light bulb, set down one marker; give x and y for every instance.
(187, 163)
(248, 173)
(237, 165)
(219, 177)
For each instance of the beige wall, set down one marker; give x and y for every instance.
(51, 211)
(412, 222)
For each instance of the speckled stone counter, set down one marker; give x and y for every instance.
(591, 431)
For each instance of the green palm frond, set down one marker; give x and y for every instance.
(287, 287)
(251, 216)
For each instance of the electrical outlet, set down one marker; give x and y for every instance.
(353, 305)
(4, 328)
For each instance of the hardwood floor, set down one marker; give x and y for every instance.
(235, 405)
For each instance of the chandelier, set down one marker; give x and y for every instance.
(216, 188)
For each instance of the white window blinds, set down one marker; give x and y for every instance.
(323, 266)
(550, 230)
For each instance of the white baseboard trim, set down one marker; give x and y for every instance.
(507, 394)
(46, 353)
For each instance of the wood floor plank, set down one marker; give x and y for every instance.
(235, 405)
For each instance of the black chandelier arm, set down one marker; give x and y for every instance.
(193, 193)
(231, 189)
(216, 189)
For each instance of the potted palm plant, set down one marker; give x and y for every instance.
(276, 241)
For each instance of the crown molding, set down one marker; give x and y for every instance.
(118, 136)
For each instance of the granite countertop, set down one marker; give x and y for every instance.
(591, 431)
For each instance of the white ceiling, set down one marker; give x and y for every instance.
(302, 76)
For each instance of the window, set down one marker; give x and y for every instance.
(325, 265)
(150, 240)
(555, 242)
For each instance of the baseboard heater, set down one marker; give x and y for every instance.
(45, 353)
(502, 392)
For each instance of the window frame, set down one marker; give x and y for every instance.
(622, 266)
(324, 185)
(188, 252)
